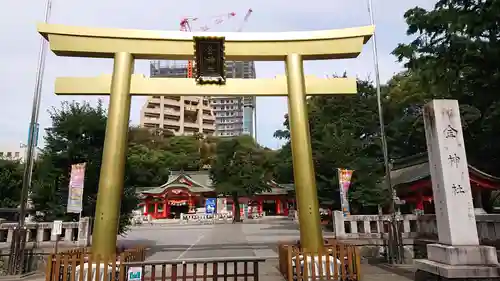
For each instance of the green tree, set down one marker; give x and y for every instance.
(11, 179)
(344, 134)
(175, 152)
(241, 168)
(76, 136)
(456, 55)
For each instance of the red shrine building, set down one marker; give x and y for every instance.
(411, 179)
(184, 192)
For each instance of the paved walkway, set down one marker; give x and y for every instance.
(375, 273)
(249, 239)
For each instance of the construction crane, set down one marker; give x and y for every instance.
(187, 22)
(245, 19)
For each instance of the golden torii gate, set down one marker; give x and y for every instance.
(126, 45)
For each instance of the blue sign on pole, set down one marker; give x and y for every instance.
(35, 134)
(210, 206)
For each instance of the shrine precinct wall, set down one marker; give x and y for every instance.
(414, 226)
(40, 233)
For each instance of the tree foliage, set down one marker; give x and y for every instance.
(76, 136)
(11, 180)
(187, 153)
(456, 55)
(344, 134)
(241, 168)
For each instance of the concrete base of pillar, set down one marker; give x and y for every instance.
(462, 255)
(429, 271)
(479, 211)
(458, 262)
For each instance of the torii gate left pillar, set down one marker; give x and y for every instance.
(126, 45)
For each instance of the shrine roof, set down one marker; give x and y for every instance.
(199, 182)
(278, 189)
(196, 182)
(416, 167)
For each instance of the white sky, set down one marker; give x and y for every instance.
(20, 46)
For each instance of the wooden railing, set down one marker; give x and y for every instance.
(335, 261)
(198, 269)
(73, 265)
(130, 265)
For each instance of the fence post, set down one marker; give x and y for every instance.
(255, 271)
(84, 227)
(338, 224)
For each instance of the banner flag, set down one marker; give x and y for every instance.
(221, 205)
(345, 176)
(75, 191)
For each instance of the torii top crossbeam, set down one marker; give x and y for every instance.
(176, 45)
(146, 44)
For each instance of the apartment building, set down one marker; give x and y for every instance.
(222, 116)
(182, 115)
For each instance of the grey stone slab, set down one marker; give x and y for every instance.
(457, 271)
(462, 255)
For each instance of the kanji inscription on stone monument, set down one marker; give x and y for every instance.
(450, 175)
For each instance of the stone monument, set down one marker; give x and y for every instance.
(458, 254)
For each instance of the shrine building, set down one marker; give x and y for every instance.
(411, 179)
(185, 191)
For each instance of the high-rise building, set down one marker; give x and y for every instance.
(233, 115)
(182, 115)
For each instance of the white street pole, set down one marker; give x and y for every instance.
(34, 126)
(383, 138)
(16, 259)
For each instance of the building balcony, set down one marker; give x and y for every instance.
(224, 129)
(170, 122)
(151, 120)
(228, 109)
(171, 112)
(208, 117)
(151, 125)
(156, 100)
(208, 131)
(220, 117)
(219, 103)
(190, 108)
(191, 124)
(231, 122)
(174, 128)
(152, 110)
(151, 115)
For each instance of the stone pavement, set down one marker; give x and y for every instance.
(375, 273)
(253, 238)
(249, 239)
